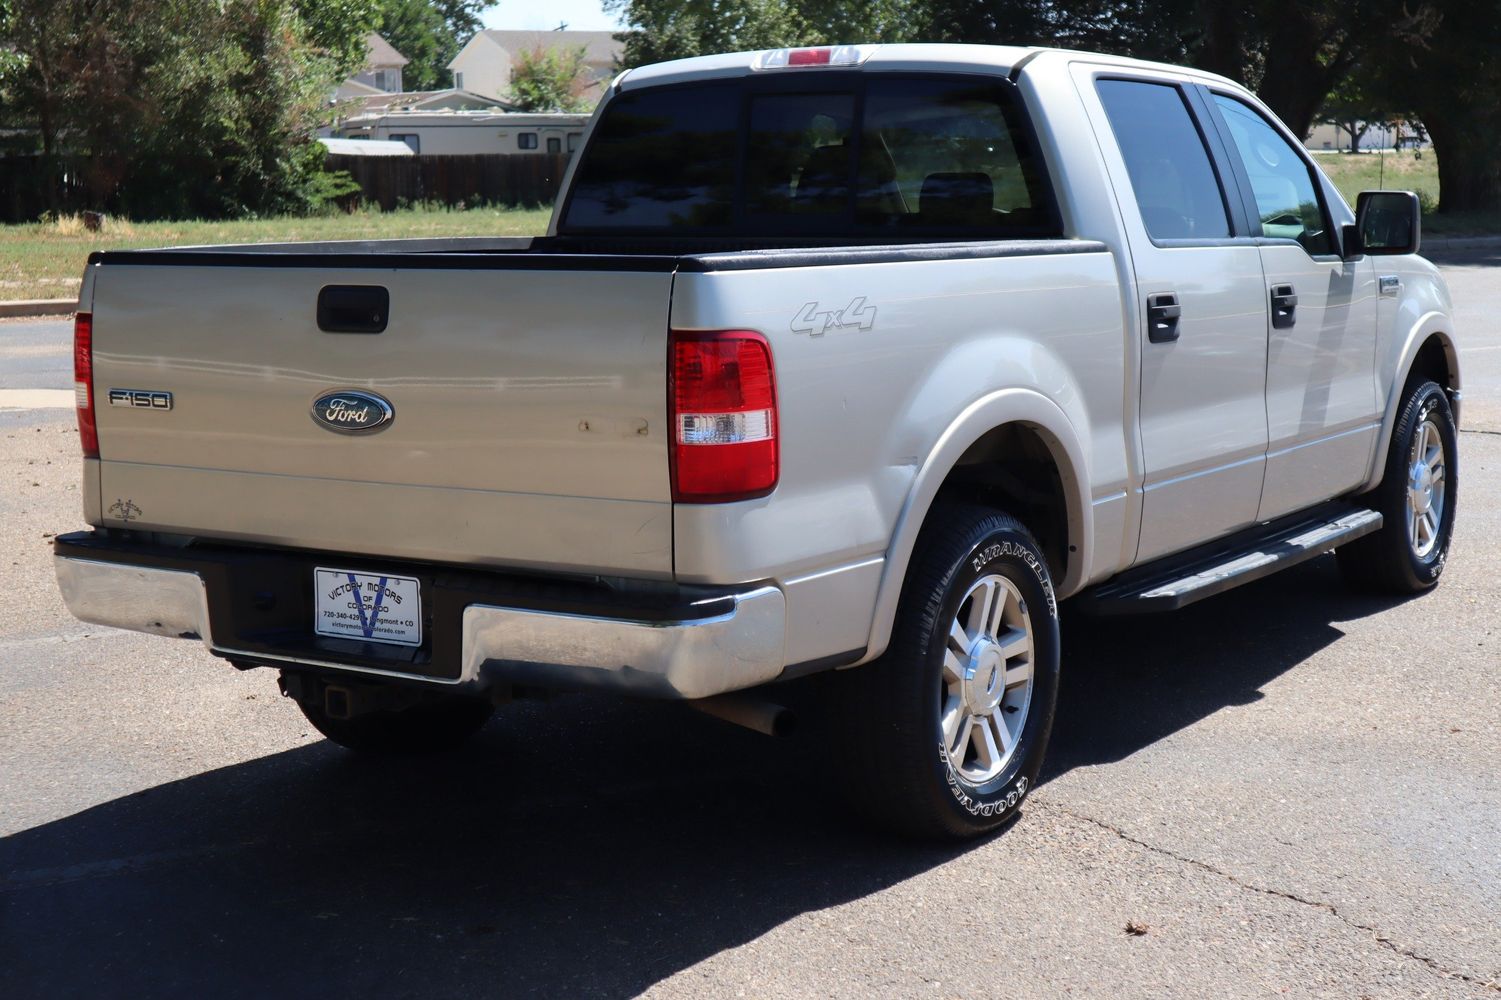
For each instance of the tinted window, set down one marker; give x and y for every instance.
(1287, 201)
(915, 155)
(1171, 175)
(799, 155)
(526, 140)
(945, 154)
(660, 159)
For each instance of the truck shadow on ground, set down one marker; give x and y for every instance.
(583, 847)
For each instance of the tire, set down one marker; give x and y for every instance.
(430, 727)
(899, 719)
(1408, 554)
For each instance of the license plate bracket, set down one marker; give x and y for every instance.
(375, 607)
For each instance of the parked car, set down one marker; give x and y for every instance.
(853, 360)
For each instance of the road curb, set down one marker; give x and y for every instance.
(39, 307)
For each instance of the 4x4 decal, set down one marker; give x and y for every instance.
(816, 321)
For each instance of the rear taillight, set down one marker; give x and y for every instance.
(83, 383)
(724, 416)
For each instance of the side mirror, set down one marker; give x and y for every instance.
(1386, 223)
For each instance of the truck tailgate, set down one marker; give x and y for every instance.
(529, 407)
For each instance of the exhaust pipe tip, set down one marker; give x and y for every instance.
(755, 714)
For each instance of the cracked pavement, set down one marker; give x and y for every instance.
(1285, 791)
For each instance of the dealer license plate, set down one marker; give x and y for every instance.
(368, 606)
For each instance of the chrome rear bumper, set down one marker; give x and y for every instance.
(664, 659)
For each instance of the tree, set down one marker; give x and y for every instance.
(1453, 81)
(1295, 53)
(173, 107)
(550, 79)
(676, 29)
(338, 28)
(1354, 108)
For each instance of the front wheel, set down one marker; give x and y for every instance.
(1417, 500)
(944, 735)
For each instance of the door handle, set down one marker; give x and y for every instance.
(353, 308)
(1284, 306)
(1163, 312)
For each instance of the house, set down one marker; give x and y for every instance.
(1334, 136)
(484, 65)
(381, 73)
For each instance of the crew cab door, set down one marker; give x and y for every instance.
(1201, 311)
(1322, 417)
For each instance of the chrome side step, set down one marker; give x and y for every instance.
(1192, 576)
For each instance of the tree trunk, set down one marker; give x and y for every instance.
(1469, 169)
(1223, 50)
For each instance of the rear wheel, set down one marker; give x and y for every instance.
(1417, 497)
(943, 736)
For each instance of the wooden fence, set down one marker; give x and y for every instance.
(30, 185)
(513, 179)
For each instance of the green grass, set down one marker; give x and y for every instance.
(1404, 171)
(43, 260)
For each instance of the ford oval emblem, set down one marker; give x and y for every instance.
(353, 411)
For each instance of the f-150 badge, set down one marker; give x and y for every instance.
(816, 321)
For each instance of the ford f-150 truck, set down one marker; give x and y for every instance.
(855, 359)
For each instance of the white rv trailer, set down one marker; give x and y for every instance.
(456, 133)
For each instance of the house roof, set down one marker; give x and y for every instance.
(380, 53)
(417, 100)
(599, 46)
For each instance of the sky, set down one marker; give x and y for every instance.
(542, 15)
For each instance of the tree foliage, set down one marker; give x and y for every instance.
(338, 28)
(1440, 58)
(174, 107)
(1452, 80)
(676, 29)
(550, 79)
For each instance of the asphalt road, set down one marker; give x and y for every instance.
(1292, 790)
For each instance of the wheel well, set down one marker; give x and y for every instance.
(1012, 468)
(1433, 361)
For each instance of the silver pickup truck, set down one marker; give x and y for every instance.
(854, 359)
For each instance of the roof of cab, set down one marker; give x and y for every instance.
(929, 56)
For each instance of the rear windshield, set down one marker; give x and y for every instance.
(874, 154)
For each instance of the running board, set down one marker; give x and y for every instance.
(1242, 558)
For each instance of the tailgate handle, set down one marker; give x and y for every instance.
(353, 308)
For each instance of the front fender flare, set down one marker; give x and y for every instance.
(1007, 406)
(1432, 324)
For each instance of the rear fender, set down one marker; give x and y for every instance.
(1008, 406)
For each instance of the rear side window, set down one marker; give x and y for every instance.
(1175, 185)
(1287, 202)
(864, 155)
